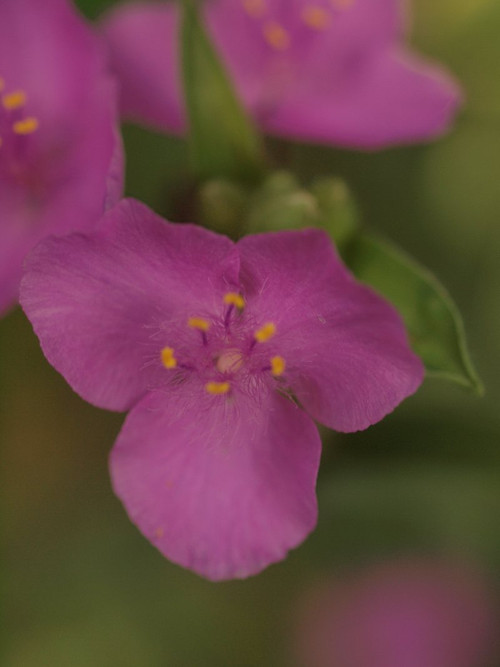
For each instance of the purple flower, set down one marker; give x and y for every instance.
(328, 71)
(206, 341)
(60, 160)
(406, 613)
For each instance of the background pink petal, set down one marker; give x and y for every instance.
(143, 53)
(224, 493)
(390, 97)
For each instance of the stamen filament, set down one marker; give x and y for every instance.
(276, 36)
(217, 388)
(14, 100)
(234, 299)
(25, 126)
(255, 8)
(199, 323)
(316, 18)
(278, 366)
(265, 332)
(168, 358)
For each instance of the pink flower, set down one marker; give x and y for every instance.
(206, 341)
(407, 613)
(328, 71)
(60, 161)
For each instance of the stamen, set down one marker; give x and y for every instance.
(14, 100)
(217, 388)
(234, 299)
(26, 126)
(276, 36)
(342, 4)
(265, 332)
(2, 84)
(199, 323)
(278, 366)
(255, 8)
(316, 18)
(168, 358)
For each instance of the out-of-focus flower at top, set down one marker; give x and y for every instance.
(60, 159)
(328, 71)
(225, 353)
(404, 613)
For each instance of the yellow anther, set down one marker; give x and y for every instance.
(14, 100)
(168, 358)
(255, 8)
(277, 366)
(316, 18)
(25, 126)
(342, 4)
(234, 299)
(265, 332)
(218, 387)
(276, 36)
(199, 323)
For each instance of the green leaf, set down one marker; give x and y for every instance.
(224, 142)
(434, 324)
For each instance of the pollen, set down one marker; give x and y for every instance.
(265, 332)
(276, 36)
(168, 358)
(278, 366)
(316, 18)
(217, 388)
(25, 126)
(255, 8)
(14, 100)
(199, 323)
(234, 299)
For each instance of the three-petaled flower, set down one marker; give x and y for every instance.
(225, 353)
(328, 71)
(60, 160)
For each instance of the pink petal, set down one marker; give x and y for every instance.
(142, 47)
(347, 356)
(100, 302)
(221, 485)
(392, 97)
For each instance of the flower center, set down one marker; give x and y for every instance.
(16, 126)
(281, 26)
(227, 351)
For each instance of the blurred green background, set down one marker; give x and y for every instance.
(83, 587)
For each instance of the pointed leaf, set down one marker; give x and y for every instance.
(434, 324)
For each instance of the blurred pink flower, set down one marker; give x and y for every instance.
(414, 613)
(60, 152)
(327, 71)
